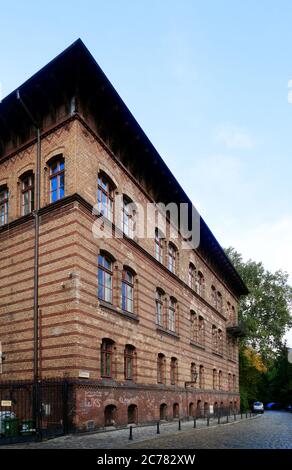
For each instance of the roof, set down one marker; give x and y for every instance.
(76, 70)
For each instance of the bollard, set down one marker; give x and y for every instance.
(158, 429)
(208, 420)
(195, 423)
(234, 417)
(179, 425)
(246, 415)
(241, 415)
(250, 414)
(227, 419)
(218, 418)
(131, 434)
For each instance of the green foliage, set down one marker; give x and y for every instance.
(265, 373)
(266, 311)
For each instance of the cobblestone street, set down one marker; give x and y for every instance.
(273, 430)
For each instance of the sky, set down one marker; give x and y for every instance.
(210, 83)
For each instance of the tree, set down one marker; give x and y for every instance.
(266, 311)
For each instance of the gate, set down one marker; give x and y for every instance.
(31, 411)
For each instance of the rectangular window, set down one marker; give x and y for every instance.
(57, 180)
(159, 308)
(27, 191)
(171, 315)
(3, 207)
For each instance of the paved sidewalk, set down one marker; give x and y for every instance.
(119, 439)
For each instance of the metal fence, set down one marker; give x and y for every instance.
(31, 411)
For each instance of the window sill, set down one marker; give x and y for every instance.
(197, 345)
(112, 308)
(232, 360)
(163, 330)
(217, 354)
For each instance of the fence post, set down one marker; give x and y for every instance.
(131, 434)
(157, 428)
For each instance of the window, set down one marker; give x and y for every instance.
(234, 382)
(214, 379)
(173, 371)
(229, 382)
(27, 194)
(201, 377)
(159, 307)
(4, 197)
(194, 326)
(105, 275)
(158, 245)
(200, 284)
(128, 291)
(161, 368)
(128, 217)
(233, 316)
(201, 331)
(171, 314)
(192, 276)
(219, 301)
(105, 197)
(213, 296)
(106, 369)
(220, 379)
(172, 254)
(214, 339)
(129, 363)
(194, 374)
(220, 342)
(57, 179)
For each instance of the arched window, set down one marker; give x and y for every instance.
(173, 370)
(129, 362)
(201, 331)
(128, 291)
(57, 178)
(159, 307)
(220, 342)
(214, 339)
(194, 326)
(200, 284)
(234, 382)
(106, 365)
(132, 414)
(220, 379)
(214, 379)
(192, 276)
(194, 374)
(105, 275)
(219, 301)
(161, 368)
(213, 296)
(201, 377)
(105, 196)
(27, 193)
(4, 205)
(128, 217)
(172, 257)
(229, 382)
(172, 314)
(158, 245)
(175, 409)
(110, 414)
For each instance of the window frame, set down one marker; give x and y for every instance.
(108, 192)
(172, 258)
(129, 286)
(59, 161)
(29, 190)
(4, 205)
(159, 248)
(106, 359)
(105, 272)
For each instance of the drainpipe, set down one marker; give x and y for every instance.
(36, 259)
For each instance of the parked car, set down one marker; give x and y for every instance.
(258, 407)
(5, 415)
(273, 406)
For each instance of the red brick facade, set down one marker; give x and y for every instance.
(74, 321)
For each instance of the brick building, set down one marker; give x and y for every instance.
(147, 329)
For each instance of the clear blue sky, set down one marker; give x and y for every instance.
(207, 81)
